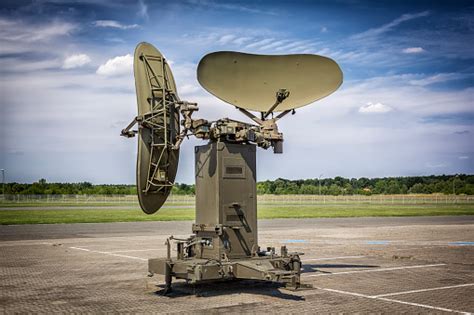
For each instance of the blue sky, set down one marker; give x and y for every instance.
(405, 107)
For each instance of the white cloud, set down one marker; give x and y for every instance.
(324, 29)
(411, 99)
(463, 157)
(378, 108)
(251, 41)
(274, 45)
(293, 45)
(259, 43)
(226, 39)
(188, 89)
(19, 36)
(142, 9)
(241, 40)
(438, 78)
(413, 50)
(14, 66)
(76, 61)
(244, 38)
(230, 6)
(119, 65)
(387, 27)
(114, 24)
(13, 30)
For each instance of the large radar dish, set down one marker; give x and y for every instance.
(251, 81)
(157, 161)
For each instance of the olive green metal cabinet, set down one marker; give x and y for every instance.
(226, 199)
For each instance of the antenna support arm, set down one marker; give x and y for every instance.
(250, 115)
(281, 95)
(126, 132)
(198, 127)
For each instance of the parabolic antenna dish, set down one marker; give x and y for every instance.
(157, 162)
(251, 81)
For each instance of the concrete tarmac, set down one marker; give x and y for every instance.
(382, 265)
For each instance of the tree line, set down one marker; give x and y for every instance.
(41, 187)
(444, 184)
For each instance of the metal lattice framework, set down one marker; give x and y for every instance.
(161, 121)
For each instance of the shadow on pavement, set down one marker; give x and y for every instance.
(181, 289)
(314, 268)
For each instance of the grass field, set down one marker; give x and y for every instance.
(60, 205)
(98, 215)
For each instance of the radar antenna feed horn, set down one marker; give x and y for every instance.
(281, 95)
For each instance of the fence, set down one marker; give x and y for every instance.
(262, 199)
(361, 199)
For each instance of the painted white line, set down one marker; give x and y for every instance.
(424, 290)
(375, 270)
(126, 256)
(331, 258)
(107, 253)
(78, 248)
(424, 305)
(137, 250)
(415, 248)
(394, 301)
(345, 292)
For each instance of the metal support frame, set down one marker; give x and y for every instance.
(250, 115)
(159, 120)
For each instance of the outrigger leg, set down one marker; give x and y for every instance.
(168, 279)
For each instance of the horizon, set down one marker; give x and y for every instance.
(405, 107)
(259, 181)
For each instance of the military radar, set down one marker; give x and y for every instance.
(224, 243)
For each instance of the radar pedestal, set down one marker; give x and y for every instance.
(224, 245)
